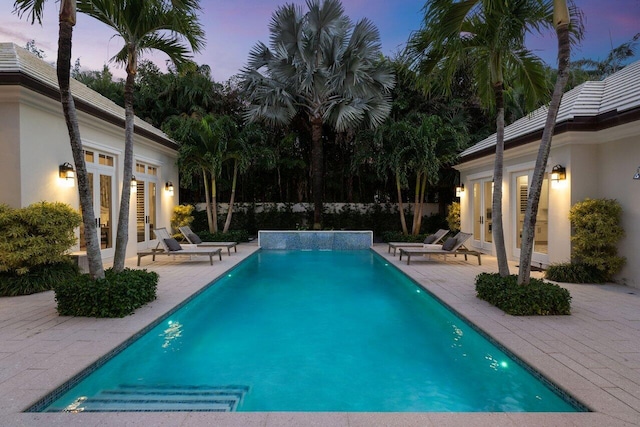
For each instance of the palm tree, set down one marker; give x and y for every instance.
(143, 25)
(245, 150)
(563, 25)
(491, 34)
(67, 19)
(203, 149)
(323, 65)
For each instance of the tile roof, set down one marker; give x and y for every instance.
(16, 60)
(618, 92)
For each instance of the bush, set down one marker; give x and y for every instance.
(117, 295)
(231, 236)
(453, 217)
(536, 298)
(39, 279)
(35, 236)
(396, 236)
(182, 216)
(596, 224)
(574, 273)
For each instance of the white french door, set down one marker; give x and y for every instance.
(101, 176)
(520, 184)
(482, 195)
(146, 204)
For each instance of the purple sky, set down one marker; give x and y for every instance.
(233, 27)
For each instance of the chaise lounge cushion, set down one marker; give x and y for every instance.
(173, 244)
(449, 244)
(430, 239)
(193, 238)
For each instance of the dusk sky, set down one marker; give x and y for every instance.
(233, 27)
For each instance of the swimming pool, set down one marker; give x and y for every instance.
(312, 331)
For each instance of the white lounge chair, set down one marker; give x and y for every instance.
(195, 240)
(431, 239)
(453, 246)
(167, 245)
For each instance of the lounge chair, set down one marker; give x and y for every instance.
(195, 240)
(431, 239)
(453, 246)
(169, 246)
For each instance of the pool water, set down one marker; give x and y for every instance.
(312, 331)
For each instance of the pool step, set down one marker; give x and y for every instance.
(138, 398)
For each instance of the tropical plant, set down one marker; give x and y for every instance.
(168, 26)
(566, 23)
(203, 149)
(182, 216)
(490, 34)
(324, 66)
(592, 69)
(67, 20)
(453, 217)
(245, 150)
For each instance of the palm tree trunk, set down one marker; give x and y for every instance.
(94, 256)
(423, 189)
(227, 223)
(317, 163)
(533, 200)
(207, 199)
(403, 221)
(416, 204)
(214, 204)
(122, 237)
(497, 227)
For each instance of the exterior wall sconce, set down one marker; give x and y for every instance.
(637, 175)
(134, 184)
(168, 187)
(66, 171)
(67, 174)
(459, 190)
(558, 173)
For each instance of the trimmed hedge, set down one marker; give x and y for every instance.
(537, 298)
(231, 236)
(575, 273)
(39, 279)
(117, 295)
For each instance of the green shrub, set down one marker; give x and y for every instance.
(574, 273)
(39, 279)
(182, 216)
(117, 295)
(35, 236)
(453, 217)
(536, 298)
(396, 236)
(231, 236)
(596, 225)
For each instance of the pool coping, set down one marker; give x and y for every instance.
(31, 359)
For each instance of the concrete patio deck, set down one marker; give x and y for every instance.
(594, 354)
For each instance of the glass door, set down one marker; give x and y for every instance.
(101, 177)
(521, 181)
(146, 204)
(482, 217)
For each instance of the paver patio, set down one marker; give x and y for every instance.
(594, 354)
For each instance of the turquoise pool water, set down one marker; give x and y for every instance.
(312, 331)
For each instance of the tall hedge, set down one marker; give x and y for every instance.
(596, 231)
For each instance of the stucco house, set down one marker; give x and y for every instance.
(596, 149)
(36, 154)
